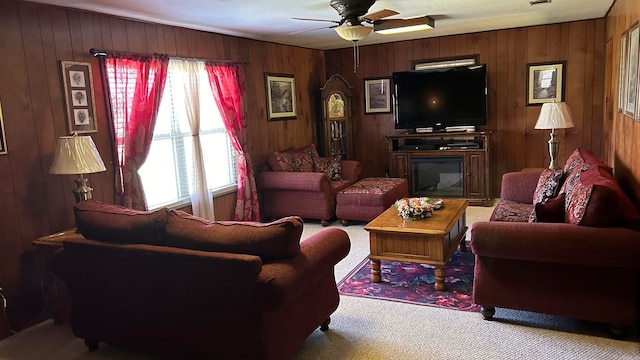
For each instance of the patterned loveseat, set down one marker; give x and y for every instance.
(300, 182)
(563, 242)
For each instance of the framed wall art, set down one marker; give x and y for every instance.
(79, 97)
(377, 95)
(622, 81)
(545, 82)
(631, 93)
(3, 140)
(281, 96)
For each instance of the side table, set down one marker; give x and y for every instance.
(53, 289)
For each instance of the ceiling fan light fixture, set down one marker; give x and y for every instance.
(353, 33)
(397, 26)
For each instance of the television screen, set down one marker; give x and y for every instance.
(441, 98)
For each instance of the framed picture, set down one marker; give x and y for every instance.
(79, 97)
(631, 93)
(622, 83)
(3, 140)
(545, 82)
(377, 95)
(281, 96)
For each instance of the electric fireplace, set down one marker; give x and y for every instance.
(437, 176)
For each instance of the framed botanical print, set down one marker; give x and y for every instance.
(79, 97)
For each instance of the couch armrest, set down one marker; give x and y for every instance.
(351, 170)
(301, 181)
(287, 278)
(519, 186)
(557, 243)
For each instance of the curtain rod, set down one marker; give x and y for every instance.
(96, 53)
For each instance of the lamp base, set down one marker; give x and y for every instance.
(553, 150)
(82, 191)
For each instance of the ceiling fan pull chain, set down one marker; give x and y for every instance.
(356, 56)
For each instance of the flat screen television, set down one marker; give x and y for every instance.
(441, 98)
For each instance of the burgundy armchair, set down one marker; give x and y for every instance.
(308, 194)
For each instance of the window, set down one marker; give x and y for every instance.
(168, 173)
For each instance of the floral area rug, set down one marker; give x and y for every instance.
(414, 283)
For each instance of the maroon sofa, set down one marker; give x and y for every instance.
(575, 253)
(183, 287)
(301, 183)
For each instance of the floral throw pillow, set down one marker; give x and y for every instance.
(281, 161)
(330, 166)
(548, 185)
(302, 161)
(576, 203)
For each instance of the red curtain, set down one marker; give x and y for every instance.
(227, 84)
(136, 83)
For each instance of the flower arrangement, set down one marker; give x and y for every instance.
(417, 208)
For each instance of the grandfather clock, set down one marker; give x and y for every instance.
(336, 118)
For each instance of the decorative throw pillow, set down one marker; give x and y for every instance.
(117, 224)
(548, 185)
(573, 161)
(274, 240)
(302, 161)
(330, 166)
(576, 203)
(311, 150)
(571, 180)
(608, 204)
(281, 161)
(336, 168)
(583, 156)
(549, 211)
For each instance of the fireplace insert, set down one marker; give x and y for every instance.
(435, 176)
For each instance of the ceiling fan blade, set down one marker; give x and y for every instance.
(323, 20)
(309, 30)
(377, 15)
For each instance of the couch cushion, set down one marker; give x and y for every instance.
(511, 211)
(549, 211)
(548, 186)
(278, 239)
(117, 224)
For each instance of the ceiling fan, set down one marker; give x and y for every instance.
(353, 14)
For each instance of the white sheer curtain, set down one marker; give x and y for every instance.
(201, 200)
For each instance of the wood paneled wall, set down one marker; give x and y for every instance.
(623, 137)
(515, 142)
(34, 38)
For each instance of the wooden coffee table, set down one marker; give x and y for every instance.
(427, 241)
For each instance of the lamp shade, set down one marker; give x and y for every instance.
(554, 116)
(76, 155)
(354, 32)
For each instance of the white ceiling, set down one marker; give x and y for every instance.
(270, 20)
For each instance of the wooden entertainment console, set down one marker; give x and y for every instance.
(468, 151)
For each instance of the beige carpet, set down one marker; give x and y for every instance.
(371, 329)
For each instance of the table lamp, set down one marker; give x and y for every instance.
(77, 155)
(554, 116)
